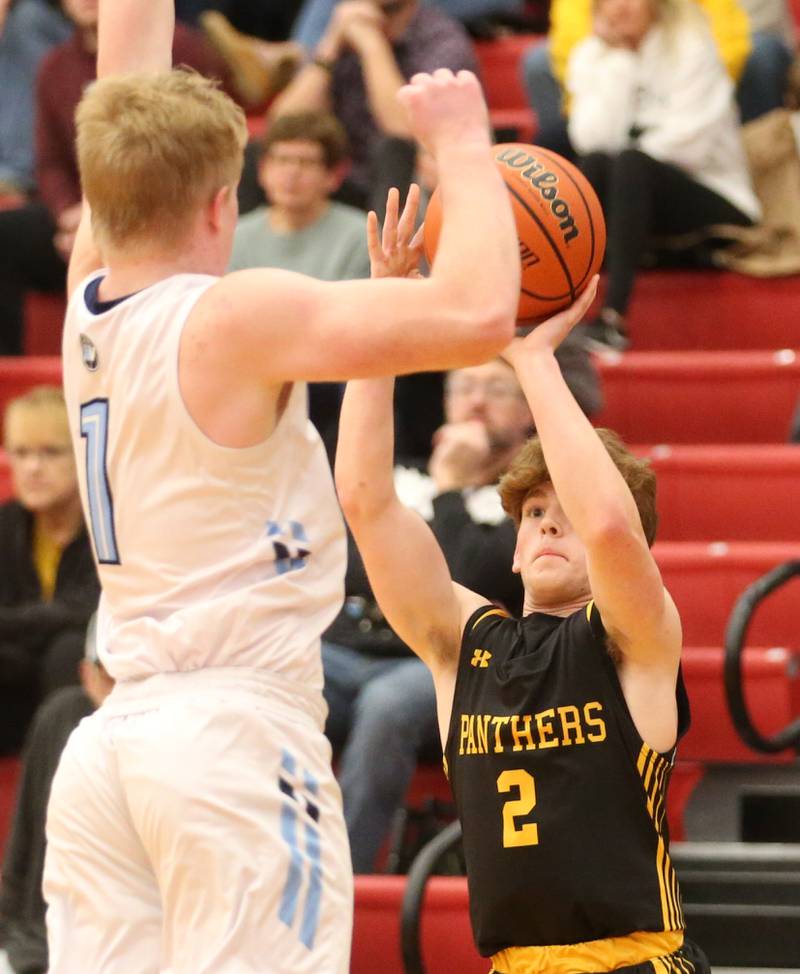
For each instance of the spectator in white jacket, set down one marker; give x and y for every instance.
(654, 122)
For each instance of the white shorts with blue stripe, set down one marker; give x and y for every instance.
(195, 826)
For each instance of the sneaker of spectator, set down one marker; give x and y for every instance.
(606, 332)
(260, 69)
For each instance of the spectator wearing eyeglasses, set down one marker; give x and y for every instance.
(48, 582)
(303, 159)
(381, 702)
(369, 50)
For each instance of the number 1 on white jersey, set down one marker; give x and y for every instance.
(94, 429)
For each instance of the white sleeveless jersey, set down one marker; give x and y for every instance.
(208, 556)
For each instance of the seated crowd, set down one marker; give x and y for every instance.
(650, 105)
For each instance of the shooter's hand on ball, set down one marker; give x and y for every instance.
(551, 333)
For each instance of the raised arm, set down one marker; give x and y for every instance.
(461, 314)
(406, 568)
(637, 612)
(135, 36)
(132, 36)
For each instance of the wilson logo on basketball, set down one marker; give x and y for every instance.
(545, 183)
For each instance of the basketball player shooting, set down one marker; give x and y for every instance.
(559, 730)
(194, 824)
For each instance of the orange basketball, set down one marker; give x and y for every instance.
(562, 233)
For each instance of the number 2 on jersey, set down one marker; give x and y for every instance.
(94, 429)
(517, 835)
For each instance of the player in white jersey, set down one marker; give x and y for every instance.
(195, 825)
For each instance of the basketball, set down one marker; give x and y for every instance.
(560, 225)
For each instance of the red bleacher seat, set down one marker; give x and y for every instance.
(44, 321)
(700, 397)
(18, 374)
(674, 310)
(446, 933)
(772, 694)
(501, 75)
(706, 580)
(5, 477)
(727, 492)
(9, 775)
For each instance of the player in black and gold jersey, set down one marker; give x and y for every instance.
(559, 730)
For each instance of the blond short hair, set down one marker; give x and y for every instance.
(528, 472)
(44, 398)
(152, 149)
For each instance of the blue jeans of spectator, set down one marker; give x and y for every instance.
(31, 29)
(544, 96)
(315, 14)
(382, 714)
(763, 83)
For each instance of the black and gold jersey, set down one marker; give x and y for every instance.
(562, 803)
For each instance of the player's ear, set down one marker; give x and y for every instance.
(218, 205)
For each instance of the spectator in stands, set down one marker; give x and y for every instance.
(23, 948)
(36, 238)
(653, 119)
(48, 583)
(302, 162)
(370, 48)
(28, 29)
(315, 15)
(749, 60)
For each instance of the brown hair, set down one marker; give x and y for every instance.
(320, 127)
(152, 149)
(528, 472)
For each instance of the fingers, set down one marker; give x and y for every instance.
(418, 238)
(582, 305)
(390, 220)
(373, 244)
(565, 320)
(405, 227)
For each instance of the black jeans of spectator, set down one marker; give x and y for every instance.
(26, 678)
(269, 19)
(643, 198)
(28, 262)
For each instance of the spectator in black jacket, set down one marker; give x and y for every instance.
(48, 582)
(23, 939)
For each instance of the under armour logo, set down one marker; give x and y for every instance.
(290, 545)
(481, 658)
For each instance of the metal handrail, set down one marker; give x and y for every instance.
(735, 639)
(411, 910)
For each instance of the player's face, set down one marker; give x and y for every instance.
(490, 394)
(294, 176)
(42, 463)
(549, 555)
(83, 13)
